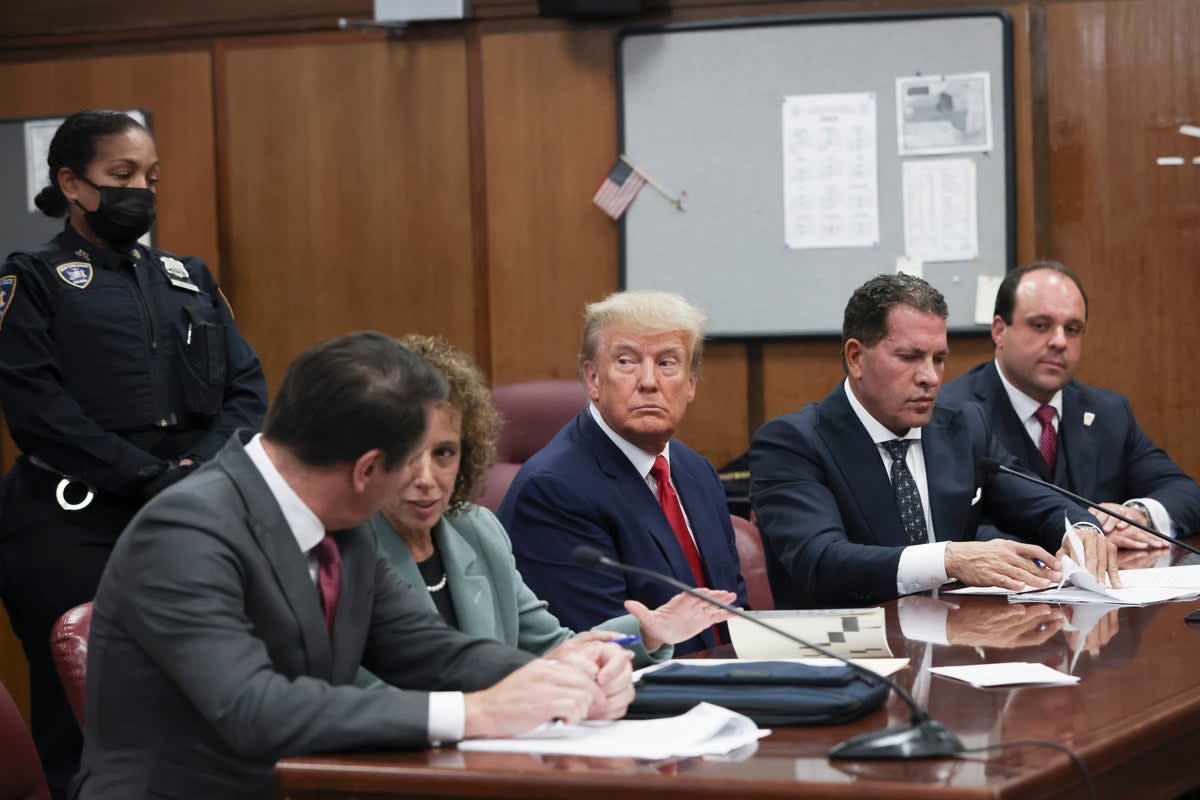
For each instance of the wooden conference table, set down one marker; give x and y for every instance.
(1134, 718)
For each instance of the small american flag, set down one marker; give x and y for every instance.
(618, 190)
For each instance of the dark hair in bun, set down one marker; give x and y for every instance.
(74, 147)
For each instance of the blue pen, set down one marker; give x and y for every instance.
(1039, 563)
(626, 640)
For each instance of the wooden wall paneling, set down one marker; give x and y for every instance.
(715, 424)
(549, 117)
(175, 88)
(1122, 80)
(348, 193)
(22, 21)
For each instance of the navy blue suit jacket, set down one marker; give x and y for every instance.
(828, 515)
(581, 489)
(1109, 460)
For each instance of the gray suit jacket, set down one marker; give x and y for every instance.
(209, 658)
(489, 596)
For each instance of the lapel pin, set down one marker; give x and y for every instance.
(1087, 419)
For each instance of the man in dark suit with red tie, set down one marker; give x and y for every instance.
(614, 479)
(1080, 437)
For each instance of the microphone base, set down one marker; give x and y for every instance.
(927, 738)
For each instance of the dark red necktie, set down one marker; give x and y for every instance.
(669, 501)
(329, 577)
(1048, 444)
(661, 471)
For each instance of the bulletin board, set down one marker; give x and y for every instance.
(811, 153)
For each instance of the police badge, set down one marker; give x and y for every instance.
(178, 275)
(8, 289)
(75, 273)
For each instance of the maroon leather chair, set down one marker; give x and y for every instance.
(68, 645)
(754, 564)
(21, 776)
(533, 412)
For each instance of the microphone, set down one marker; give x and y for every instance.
(922, 737)
(991, 465)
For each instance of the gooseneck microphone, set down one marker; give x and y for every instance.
(922, 737)
(991, 465)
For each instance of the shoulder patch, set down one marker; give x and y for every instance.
(75, 273)
(175, 268)
(8, 290)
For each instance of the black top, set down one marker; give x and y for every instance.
(433, 573)
(114, 361)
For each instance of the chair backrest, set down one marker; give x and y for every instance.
(754, 564)
(69, 645)
(21, 776)
(533, 412)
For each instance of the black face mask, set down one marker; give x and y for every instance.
(124, 213)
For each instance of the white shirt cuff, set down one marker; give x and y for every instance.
(923, 619)
(447, 717)
(1160, 520)
(922, 567)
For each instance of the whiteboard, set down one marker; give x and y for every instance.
(701, 111)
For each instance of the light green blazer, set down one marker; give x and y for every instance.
(489, 596)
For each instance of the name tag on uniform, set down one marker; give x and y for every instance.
(183, 284)
(178, 275)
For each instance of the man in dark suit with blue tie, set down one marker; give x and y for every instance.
(876, 492)
(1080, 437)
(614, 479)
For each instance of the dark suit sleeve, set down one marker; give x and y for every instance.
(184, 598)
(547, 519)
(802, 525)
(1150, 472)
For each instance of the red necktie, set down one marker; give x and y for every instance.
(661, 471)
(1048, 444)
(329, 577)
(669, 501)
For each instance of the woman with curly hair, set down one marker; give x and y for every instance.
(458, 555)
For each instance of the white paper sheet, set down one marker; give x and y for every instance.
(941, 221)
(705, 730)
(941, 114)
(849, 632)
(830, 180)
(986, 289)
(1010, 673)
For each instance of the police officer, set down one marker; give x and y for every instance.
(121, 369)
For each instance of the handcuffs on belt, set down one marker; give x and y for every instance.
(60, 493)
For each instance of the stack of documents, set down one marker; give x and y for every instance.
(703, 731)
(1140, 587)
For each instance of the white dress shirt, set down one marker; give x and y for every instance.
(642, 461)
(922, 566)
(1025, 407)
(447, 710)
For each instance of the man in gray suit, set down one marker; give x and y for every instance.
(238, 605)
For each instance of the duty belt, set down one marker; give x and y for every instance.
(60, 493)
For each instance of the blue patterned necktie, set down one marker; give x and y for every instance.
(912, 513)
